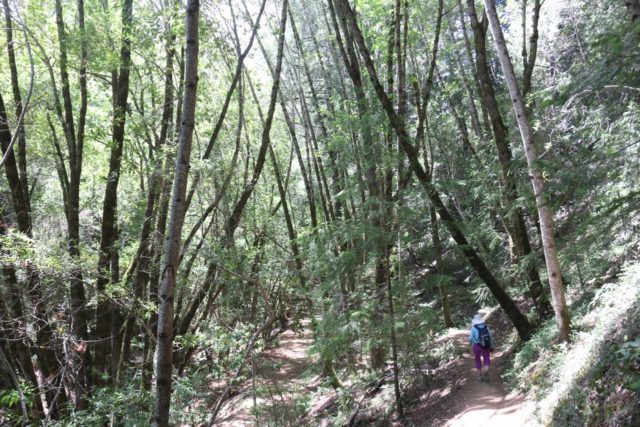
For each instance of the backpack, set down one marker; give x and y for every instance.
(484, 339)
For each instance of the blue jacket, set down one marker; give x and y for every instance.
(474, 335)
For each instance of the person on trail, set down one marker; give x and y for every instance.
(481, 344)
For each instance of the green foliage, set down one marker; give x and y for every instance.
(628, 358)
(482, 296)
(525, 371)
(9, 398)
(128, 405)
(443, 353)
(10, 407)
(584, 108)
(593, 379)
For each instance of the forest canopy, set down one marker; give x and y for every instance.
(182, 181)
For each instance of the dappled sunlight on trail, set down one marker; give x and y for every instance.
(462, 400)
(492, 408)
(485, 403)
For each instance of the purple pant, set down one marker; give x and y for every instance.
(484, 352)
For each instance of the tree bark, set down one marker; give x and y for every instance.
(442, 289)
(536, 176)
(164, 350)
(19, 107)
(75, 145)
(529, 58)
(110, 204)
(467, 48)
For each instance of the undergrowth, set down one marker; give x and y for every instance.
(595, 379)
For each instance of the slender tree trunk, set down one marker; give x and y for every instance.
(116, 318)
(437, 244)
(514, 216)
(394, 343)
(227, 100)
(164, 350)
(146, 248)
(530, 58)
(17, 335)
(372, 153)
(19, 107)
(234, 219)
(293, 238)
(461, 71)
(164, 197)
(467, 48)
(75, 145)
(387, 207)
(110, 205)
(535, 173)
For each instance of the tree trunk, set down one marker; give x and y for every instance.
(535, 173)
(529, 59)
(75, 145)
(227, 100)
(514, 216)
(19, 107)
(372, 153)
(164, 350)
(17, 335)
(467, 48)
(437, 245)
(163, 202)
(110, 204)
(234, 219)
(336, 187)
(394, 344)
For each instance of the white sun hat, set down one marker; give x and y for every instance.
(476, 320)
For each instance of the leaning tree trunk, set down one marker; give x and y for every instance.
(164, 363)
(544, 212)
(519, 320)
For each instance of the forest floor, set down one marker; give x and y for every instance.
(458, 398)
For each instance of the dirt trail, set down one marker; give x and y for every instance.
(485, 403)
(465, 401)
(457, 398)
(278, 381)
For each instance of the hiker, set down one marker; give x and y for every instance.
(482, 345)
